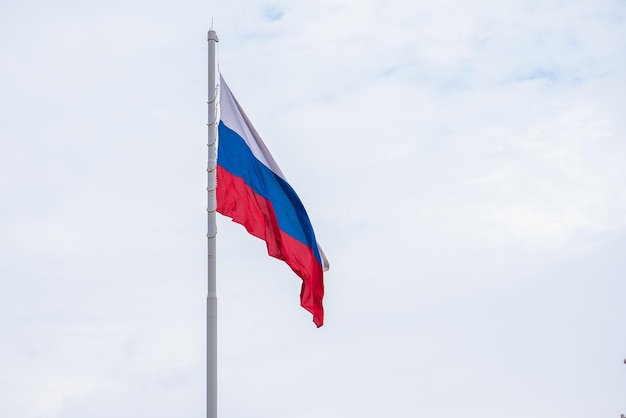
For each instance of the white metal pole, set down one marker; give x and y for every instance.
(211, 356)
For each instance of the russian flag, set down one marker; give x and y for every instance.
(253, 191)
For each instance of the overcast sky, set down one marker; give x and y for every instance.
(463, 164)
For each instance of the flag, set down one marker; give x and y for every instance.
(253, 192)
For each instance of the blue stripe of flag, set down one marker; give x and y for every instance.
(235, 156)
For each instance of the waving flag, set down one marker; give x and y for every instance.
(253, 191)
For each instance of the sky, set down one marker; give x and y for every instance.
(463, 164)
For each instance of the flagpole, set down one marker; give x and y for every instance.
(211, 354)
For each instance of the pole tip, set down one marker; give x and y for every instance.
(212, 36)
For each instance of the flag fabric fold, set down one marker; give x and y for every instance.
(253, 192)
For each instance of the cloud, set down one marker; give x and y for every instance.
(462, 164)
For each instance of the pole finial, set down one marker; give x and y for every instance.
(212, 35)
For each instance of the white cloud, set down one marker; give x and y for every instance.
(462, 163)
